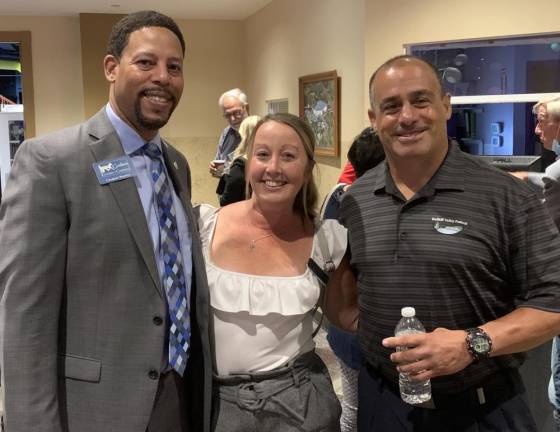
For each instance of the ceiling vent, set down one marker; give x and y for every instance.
(276, 106)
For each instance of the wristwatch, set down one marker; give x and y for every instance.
(479, 343)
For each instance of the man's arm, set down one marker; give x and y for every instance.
(534, 251)
(521, 175)
(341, 303)
(444, 352)
(533, 179)
(33, 229)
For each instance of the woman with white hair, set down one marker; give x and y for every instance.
(548, 130)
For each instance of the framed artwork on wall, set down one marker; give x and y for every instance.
(319, 105)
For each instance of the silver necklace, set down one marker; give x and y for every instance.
(252, 245)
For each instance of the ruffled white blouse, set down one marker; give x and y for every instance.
(262, 322)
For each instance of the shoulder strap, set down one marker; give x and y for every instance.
(323, 274)
(329, 266)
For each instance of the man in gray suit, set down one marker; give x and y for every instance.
(104, 307)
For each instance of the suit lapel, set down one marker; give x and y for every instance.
(105, 145)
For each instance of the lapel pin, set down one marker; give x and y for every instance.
(175, 165)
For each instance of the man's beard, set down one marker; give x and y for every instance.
(151, 124)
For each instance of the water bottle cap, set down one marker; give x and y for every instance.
(408, 312)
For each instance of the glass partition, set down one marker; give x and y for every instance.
(524, 65)
(494, 84)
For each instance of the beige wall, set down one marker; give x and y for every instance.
(214, 63)
(392, 24)
(94, 32)
(57, 72)
(291, 38)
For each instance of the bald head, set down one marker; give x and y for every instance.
(410, 112)
(403, 60)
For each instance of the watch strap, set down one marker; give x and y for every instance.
(477, 332)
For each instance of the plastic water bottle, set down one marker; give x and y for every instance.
(412, 392)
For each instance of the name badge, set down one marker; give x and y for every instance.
(113, 170)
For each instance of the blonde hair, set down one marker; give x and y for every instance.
(306, 199)
(245, 129)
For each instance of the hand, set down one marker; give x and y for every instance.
(441, 352)
(522, 175)
(216, 170)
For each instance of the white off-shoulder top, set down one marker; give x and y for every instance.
(262, 322)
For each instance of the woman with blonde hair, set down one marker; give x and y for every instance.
(232, 183)
(264, 257)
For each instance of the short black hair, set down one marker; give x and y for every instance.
(401, 58)
(135, 21)
(366, 152)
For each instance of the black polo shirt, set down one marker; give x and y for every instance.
(472, 245)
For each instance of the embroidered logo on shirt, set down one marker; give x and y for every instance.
(448, 226)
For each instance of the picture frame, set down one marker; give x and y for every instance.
(319, 106)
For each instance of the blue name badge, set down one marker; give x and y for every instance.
(113, 170)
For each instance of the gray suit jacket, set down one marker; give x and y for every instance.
(81, 295)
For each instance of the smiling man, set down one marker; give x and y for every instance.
(104, 307)
(470, 247)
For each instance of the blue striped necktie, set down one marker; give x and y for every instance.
(170, 253)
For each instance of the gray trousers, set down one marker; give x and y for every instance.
(298, 397)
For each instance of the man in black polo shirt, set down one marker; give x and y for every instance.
(471, 248)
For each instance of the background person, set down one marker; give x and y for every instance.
(348, 175)
(231, 187)
(470, 247)
(365, 153)
(548, 130)
(263, 294)
(97, 334)
(235, 109)
(361, 156)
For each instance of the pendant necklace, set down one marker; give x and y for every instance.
(252, 245)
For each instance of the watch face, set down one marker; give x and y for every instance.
(480, 344)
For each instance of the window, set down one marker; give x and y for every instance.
(17, 79)
(494, 83)
(10, 74)
(16, 95)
